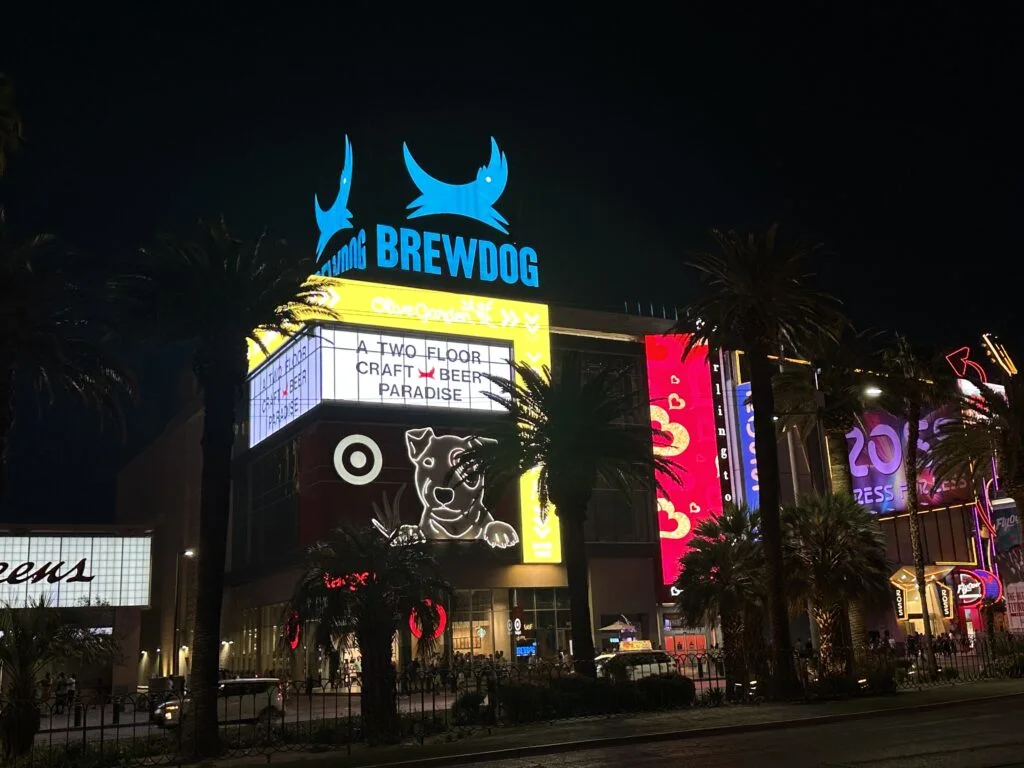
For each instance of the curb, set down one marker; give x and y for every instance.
(512, 753)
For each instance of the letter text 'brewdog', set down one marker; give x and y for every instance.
(70, 571)
(427, 251)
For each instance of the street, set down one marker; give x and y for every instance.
(986, 735)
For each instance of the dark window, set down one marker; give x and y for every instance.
(271, 520)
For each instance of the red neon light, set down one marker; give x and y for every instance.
(292, 630)
(683, 412)
(352, 580)
(442, 621)
(960, 360)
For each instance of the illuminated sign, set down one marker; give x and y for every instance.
(960, 361)
(350, 581)
(969, 588)
(877, 447)
(748, 458)
(682, 413)
(293, 630)
(365, 366)
(945, 601)
(901, 602)
(430, 252)
(288, 386)
(721, 431)
(523, 326)
(70, 571)
(442, 621)
(997, 353)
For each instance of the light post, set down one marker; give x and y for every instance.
(189, 553)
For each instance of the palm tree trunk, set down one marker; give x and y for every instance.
(578, 577)
(913, 433)
(858, 635)
(828, 616)
(6, 424)
(219, 386)
(379, 711)
(767, 452)
(838, 461)
(733, 653)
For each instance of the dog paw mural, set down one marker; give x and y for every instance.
(453, 503)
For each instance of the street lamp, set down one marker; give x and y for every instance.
(176, 653)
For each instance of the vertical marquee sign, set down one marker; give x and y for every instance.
(721, 430)
(683, 413)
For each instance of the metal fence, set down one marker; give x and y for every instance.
(262, 717)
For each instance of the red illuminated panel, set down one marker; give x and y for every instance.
(682, 410)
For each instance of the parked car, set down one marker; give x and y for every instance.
(625, 666)
(258, 699)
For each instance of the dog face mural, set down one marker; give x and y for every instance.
(453, 505)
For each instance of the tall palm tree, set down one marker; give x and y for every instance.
(215, 293)
(34, 638)
(759, 298)
(985, 440)
(835, 554)
(44, 337)
(10, 121)
(721, 577)
(915, 383)
(573, 428)
(400, 580)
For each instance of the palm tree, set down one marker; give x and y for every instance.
(45, 339)
(214, 294)
(10, 121)
(984, 440)
(835, 555)
(721, 577)
(574, 430)
(401, 580)
(759, 299)
(913, 385)
(34, 638)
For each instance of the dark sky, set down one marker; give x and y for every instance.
(891, 133)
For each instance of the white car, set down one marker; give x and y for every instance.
(259, 699)
(625, 666)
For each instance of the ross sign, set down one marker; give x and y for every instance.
(945, 600)
(73, 571)
(522, 325)
(969, 588)
(683, 414)
(877, 448)
(900, 596)
(442, 621)
(428, 252)
(286, 387)
(366, 366)
(748, 459)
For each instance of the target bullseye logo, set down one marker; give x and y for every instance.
(358, 460)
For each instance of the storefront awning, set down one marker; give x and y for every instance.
(906, 577)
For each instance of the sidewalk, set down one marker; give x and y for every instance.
(564, 736)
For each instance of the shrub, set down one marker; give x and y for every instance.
(1007, 666)
(834, 687)
(713, 697)
(467, 709)
(666, 692)
(882, 680)
(526, 703)
(19, 724)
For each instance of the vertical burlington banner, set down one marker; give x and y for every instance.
(682, 410)
(748, 458)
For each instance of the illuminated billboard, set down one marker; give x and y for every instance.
(877, 451)
(286, 387)
(682, 412)
(438, 346)
(70, 571)
(748, 451)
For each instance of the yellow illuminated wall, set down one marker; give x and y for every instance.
(524, 324)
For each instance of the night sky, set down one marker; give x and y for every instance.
(892, 135)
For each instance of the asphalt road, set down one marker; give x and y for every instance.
(986, 735)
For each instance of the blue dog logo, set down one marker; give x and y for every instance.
(338, 216)
(474, 200)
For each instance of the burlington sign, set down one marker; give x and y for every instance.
(427, 251)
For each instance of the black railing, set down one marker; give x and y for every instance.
(260, 716)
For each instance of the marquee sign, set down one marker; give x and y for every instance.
(424, 251)
(453, 340)
(70, 571)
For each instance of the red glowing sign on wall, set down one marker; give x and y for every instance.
(351, 581)
(682, 410)
(292, 630)
(960, 360)
(442, 621)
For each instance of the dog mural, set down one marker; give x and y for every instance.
(453, 505)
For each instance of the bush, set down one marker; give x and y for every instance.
(468, 708)
(882, 680)
(834, 687)
(1007, 666)
(19, 724)
(713, 697)
(666, 692)
(526, 703)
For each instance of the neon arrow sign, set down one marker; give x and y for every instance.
(960, 360)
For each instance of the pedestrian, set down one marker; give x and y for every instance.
(61, 690)
(72, 689)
